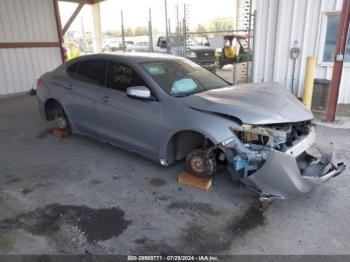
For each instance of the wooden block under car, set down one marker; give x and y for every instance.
(186, 178)
(60, 133)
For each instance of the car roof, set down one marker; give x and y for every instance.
(137, 57)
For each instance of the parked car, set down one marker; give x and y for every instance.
(138, 47)
(203, 55)
(109, 45)
(169, 108)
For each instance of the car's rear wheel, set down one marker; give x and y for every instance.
(61, 121)
(201, 163)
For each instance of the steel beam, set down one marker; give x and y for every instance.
(338, 61)
(28, 44)
(71, 19)
(59, 28)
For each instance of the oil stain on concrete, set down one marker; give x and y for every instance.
(193, 207)
(214, 237)
(13, 180)
(157, 182)
(209, 235)
(252, 218)
(95, 224)
(26, 190)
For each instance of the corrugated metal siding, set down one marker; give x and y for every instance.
(26, 21)
(283, 24)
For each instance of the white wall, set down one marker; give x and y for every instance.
(26, 21)
(283, 24)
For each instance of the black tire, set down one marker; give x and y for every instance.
(200, 163)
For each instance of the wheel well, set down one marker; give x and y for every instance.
(183, 142)
(52, 108)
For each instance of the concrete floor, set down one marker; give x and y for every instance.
(77, 195)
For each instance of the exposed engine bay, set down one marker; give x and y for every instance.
(280, 160)
(278, 137)
(257, 141)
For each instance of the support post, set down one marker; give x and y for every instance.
(338, 61)
(59, 29)
(150, 30)
(249, 39)
(184, 31)
(169, 43)
(309, 81)
(123, 35)
(97, 36)
(166, 26)
(252, 71)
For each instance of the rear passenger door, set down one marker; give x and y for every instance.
(128, 122)
(86, 79)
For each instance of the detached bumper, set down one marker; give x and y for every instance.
(281, 175)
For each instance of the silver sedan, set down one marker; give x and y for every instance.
(168, 108)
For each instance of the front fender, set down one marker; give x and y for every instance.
(213, 126)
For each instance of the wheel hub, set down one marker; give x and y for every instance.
(61, 122)
(197, 164)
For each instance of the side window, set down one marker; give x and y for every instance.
(89, 71)
(121, 76)
(331, 40)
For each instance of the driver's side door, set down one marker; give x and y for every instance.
(131, 123)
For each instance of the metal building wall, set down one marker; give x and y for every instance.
(26, 21)
(283, 24)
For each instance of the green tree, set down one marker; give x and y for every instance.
(220, 24)
(201, 28)
(128, 31)
(141, 30)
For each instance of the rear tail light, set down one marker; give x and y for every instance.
(39, 82)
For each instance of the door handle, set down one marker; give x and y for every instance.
(106, 99)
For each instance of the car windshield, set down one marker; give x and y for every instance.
(182, 77)
(192, 42)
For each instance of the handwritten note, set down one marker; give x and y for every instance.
(122, 74)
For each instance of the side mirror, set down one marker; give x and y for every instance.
(141, 92)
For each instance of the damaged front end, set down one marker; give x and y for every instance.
(279, 161)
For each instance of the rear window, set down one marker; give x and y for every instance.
(89, 71)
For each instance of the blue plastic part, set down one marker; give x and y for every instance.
(240, 163)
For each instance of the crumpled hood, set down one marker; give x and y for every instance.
(258, 104)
